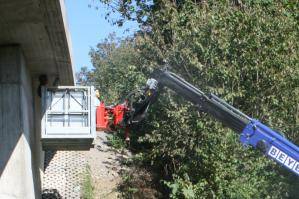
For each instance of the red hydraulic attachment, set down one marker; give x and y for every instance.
(109, 118)
(127, 113)
(102, 118)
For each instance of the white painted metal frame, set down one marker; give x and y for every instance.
(68, 130)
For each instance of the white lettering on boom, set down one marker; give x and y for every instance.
(290, 162)
(284, 159)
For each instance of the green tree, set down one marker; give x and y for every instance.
(244, 51)
(85, 77)
(118, 68)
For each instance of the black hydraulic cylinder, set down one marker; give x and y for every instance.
(211, 104)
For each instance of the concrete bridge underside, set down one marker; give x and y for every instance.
(40, 28)
(34, 40)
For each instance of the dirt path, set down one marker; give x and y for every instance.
(105, 166)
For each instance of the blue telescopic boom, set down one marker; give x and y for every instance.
(252, 132)
(272, 144)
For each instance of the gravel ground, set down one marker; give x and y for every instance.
(105, 166)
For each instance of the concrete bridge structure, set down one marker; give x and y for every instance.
(34, 41)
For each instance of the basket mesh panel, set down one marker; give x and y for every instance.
(63, 174)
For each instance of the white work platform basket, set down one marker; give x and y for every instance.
(68, 120)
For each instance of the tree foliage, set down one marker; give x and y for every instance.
(118, 68)
(85, 77)
(244, 51)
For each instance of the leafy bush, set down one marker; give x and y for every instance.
(116, 141)
(244, 51)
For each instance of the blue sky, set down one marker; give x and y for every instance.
(87, 26)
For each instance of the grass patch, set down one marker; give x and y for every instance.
(87, 192)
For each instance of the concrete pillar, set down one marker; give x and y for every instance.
(17, 176)
(39, 153)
